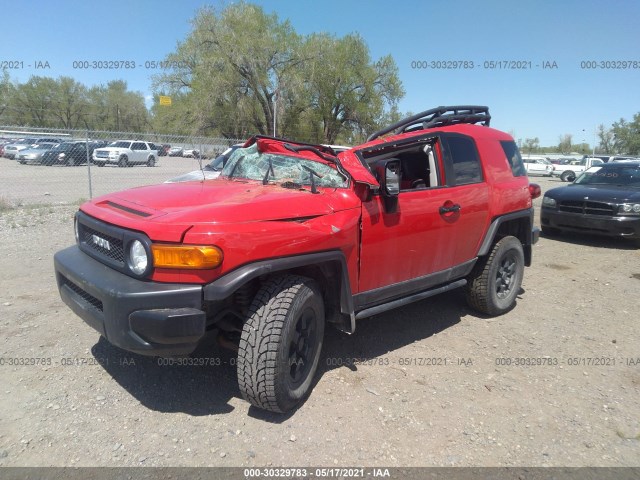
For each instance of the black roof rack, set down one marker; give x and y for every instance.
(438, 117)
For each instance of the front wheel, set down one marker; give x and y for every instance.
(495, 280)
(151, 162)
(281, 342)
(123, 161)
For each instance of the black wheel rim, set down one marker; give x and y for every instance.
(506, 276)
(302, 347)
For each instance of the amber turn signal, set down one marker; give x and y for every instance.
(186, 256)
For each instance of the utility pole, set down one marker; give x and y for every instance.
(275, 110)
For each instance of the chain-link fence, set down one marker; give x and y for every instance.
(67, 166)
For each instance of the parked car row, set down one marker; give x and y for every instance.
(10, 149)
(66, 153)
(185, 152)
(70, 152)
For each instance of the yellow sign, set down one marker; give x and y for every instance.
(166, 101)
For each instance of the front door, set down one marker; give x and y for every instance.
(441, 215)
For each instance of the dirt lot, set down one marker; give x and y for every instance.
(432, 384)
(38, 184)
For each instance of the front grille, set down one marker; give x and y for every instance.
(586, 207)
(102, 154)
(89, 300)
(102, 243)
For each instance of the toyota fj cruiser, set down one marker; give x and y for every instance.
(291, 237)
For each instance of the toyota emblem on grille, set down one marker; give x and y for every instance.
(101, 242)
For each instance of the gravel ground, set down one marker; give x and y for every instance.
(432, 385)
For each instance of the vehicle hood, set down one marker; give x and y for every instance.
(167, 210)
(197, 175)
(599, 193)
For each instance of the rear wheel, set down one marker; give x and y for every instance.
(568, 176)
(151, 162)
(281, 342)
(495, 280)
(123, 161)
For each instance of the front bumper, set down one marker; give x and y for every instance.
(148, 318)
(617, 226)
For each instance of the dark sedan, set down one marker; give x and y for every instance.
(604, 200)
(71, 153)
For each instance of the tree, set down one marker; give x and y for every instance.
(232, 66)
(33, 101)
(240, 71)
(346, 90)
(531, 144)
(627, 136)
(565, 143)
(71, 103)
(6, 91)
(66, 103)
(606, 137)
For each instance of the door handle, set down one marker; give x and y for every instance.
(455, 208)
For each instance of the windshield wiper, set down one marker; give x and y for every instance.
(265, 180)
(312, 175)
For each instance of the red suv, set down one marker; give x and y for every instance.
(291, 237)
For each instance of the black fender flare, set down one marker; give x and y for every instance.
(530, 235)
(224, 286)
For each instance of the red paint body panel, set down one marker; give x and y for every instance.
(250, 221)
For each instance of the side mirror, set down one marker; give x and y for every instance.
(389, 178)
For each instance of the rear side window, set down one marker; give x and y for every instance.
(514, 158)
(464, 160)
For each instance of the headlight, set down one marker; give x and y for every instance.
(62, 155)
(138, 259)
(629, 209)
(549, 202)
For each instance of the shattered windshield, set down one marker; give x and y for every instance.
(282, 169)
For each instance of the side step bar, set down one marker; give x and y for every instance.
(368, 312)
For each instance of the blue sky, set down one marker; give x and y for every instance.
(536, 102)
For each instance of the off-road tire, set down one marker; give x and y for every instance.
(267, 363)
(495, 280)
(123, 161)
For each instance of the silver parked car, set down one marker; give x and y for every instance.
(35, 153)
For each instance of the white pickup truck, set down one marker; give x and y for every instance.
(569, 171)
